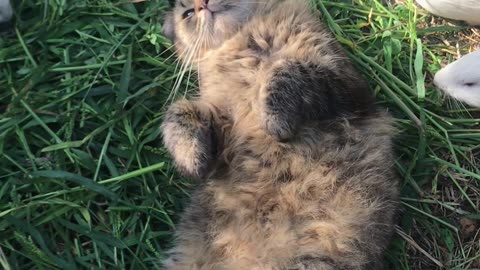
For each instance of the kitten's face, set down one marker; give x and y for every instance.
(197, 26)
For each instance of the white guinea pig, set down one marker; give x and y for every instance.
(464, 10)
(5, 11)
(461, 79)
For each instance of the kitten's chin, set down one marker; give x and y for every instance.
(215, 29)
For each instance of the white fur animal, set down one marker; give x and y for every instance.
(461, 79)
(6, 11)
(464, 10)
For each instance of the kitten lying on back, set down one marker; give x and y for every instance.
(294, 161)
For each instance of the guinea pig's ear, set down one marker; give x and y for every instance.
(169, 26)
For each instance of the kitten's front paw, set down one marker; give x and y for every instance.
(188, 136)
(281, 112)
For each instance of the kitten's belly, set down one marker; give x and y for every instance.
(264, 224)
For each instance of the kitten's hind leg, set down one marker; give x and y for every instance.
(189, 137)
(309, 263)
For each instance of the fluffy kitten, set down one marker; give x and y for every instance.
(294, 161)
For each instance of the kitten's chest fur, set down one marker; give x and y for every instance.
(232, 75)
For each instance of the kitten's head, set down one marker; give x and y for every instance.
(200, 25)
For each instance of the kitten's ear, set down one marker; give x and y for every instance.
(169, 26)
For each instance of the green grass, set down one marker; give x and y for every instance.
(86, 184)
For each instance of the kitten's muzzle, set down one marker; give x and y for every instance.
(200, 5)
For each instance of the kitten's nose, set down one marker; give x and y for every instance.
(200, 4)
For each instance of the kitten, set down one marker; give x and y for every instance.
(294, 162)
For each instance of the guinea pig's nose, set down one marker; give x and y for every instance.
(469, 84)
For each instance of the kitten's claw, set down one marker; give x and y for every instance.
(188, 136)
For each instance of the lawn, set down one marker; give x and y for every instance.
(86, 184)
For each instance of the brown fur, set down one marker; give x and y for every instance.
(313, 191)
